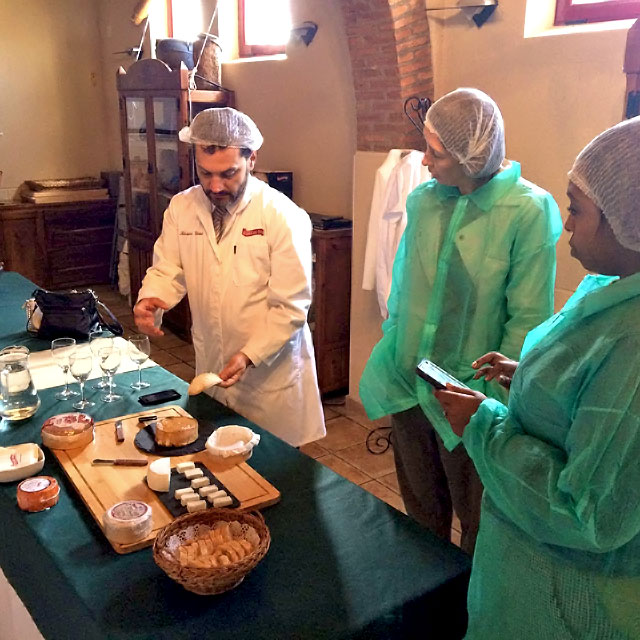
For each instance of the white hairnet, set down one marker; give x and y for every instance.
(470, 126)
(225, 127)
(607, 171)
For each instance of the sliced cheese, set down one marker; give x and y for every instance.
(189, 497)
(181, 492)
(222, 502)
(205, 491)
(181, 467)
(202, 382)
(218, 494)
(190, 474)
(159, 474)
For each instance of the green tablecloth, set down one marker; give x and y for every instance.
(342, 564)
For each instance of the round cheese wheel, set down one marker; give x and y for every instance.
(38, 493)
(159, 474)
(128, 521)
(67, 431)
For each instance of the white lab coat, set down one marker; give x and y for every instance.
(400, 173)
(250, 293)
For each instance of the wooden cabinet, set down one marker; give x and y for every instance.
(58, 246)
(329, 316)
(155, 104)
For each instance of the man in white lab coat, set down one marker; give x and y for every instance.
(242, 252)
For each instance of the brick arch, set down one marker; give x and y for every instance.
(390, 52)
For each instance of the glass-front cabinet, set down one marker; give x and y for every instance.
(155, 103)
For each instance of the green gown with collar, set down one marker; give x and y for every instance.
(558, 553)
(472, 274)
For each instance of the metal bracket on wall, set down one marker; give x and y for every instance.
(485, 8)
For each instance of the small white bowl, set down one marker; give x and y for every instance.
(231, 440)
(11, 466)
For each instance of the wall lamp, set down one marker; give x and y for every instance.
(305, 32)
(484, 8)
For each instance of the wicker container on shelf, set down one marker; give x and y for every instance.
(214, 580)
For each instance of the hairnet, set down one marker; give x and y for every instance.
(470, 126)
(607, 171)
(223, 127)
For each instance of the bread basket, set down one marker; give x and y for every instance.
(213, 580)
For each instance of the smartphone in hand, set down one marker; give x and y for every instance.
(436, 376)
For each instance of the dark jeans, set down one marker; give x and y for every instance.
(433, 481)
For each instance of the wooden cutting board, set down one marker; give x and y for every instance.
(102, 486)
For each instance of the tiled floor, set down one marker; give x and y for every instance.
(343, 449)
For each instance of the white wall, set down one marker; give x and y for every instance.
(305, 108)
(51, 88)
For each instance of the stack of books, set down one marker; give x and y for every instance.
(72, 190)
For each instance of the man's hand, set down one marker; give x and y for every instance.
(144, 315)
(458, 404)
(499, 367)
(234, 369)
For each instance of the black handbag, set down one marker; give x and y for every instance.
(68, 314)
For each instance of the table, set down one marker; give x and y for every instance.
(342, 564)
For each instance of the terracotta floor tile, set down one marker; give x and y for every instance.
(354, 410)
(344, 469)
(313, 450)
(168, 340)
(384, 493)
(329, 413)
(184, 352)
(391, 481)
(342, 433)
(182, 370)
(375, 466)
(164, 358)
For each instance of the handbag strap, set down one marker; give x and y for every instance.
(110, 321)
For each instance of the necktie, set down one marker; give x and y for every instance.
(218, 220)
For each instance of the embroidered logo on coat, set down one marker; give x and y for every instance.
(253, 232)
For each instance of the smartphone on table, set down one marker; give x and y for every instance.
(436, 376)
(159, 397)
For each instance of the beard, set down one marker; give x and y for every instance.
(227, 199)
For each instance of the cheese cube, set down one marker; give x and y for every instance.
(181, 467)
(181, 492)
(200, 482)
(218, 494)
(196, 505)
(222, 502)
(205, 491)
(190, 474)
(189, 497)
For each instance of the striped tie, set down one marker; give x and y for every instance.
(218, 220)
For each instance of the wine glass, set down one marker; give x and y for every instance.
(61, 351)
(110, 358)
(81, 363)
(139, 350)
(98, 340)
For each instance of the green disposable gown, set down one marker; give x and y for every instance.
(558, 553)
(472, 274)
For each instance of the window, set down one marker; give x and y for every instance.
(263, 27)
(572, 11)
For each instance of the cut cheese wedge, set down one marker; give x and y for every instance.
(159, 474)
(202, 382)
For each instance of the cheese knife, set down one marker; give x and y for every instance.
(122, 462)
(119, 431)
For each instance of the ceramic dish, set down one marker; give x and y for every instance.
(20, 461)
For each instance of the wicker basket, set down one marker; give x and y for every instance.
(213, 580)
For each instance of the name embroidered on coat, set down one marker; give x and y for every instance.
(253, 232)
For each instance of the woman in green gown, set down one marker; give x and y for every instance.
(558, 552)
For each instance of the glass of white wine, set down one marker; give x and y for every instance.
(139, 351)
(110, 358)
(61, 351)
(99, 340)
(81, 363)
